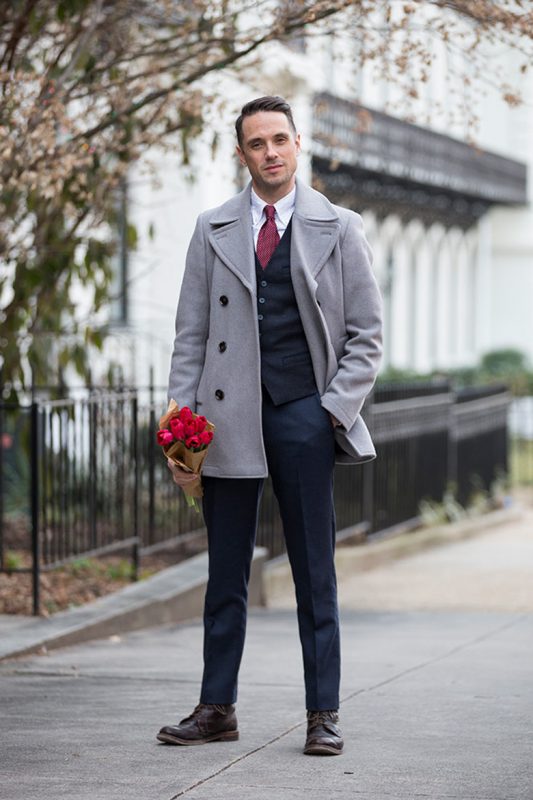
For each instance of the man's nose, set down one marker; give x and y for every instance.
(271, 151)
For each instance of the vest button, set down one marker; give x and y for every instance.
(261, 299)
(264, 283)
(223, 300)
(219, 394)
(222, 347)
(259, 316)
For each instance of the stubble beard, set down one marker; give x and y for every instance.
(276, 181)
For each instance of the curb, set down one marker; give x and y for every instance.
(175, 594)
(386, 547)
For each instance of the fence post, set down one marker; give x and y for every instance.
(368, 474)
(2, 528)
(93, 471)
(135, 455)
(151, 462)
(453, 471)
(368, 494)
(35, 453)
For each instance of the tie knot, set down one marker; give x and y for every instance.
(270, 212)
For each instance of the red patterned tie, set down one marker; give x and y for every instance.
(268, 238)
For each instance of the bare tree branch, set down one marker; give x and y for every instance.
(89, 86)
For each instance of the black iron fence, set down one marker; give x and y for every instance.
(84, 475)
(521, 435)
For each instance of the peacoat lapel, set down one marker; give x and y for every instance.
(231, 237)
(315, 232)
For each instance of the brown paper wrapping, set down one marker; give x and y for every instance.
(184, 458)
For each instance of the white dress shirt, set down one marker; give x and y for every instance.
(284, 210)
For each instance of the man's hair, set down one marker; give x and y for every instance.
(268, 103)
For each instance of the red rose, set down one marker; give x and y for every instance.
(205, 437)
(192, 442)
(186, 414)
(164, 437)
(190, 428)
(200, 423)
(178, 428)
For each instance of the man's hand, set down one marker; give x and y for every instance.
(179, 476)
(334, 421)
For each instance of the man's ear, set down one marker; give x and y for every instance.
(240, 155)
(298, 144)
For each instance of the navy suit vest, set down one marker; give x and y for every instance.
(286, 367)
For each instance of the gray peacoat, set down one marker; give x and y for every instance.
(215, 367)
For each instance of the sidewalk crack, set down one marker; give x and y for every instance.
(350, 696)
(441, 657)
(236, 761)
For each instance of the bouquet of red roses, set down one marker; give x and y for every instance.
(185, 438)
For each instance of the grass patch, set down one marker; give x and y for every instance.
(113, 569)
(12, 561)
(522, 462)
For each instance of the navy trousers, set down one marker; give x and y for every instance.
(300, 453)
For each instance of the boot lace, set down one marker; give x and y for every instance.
(222, 709)
(319, 717)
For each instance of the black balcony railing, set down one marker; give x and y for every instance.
(84, 476)
(364, 158)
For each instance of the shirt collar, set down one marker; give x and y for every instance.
(284, 207)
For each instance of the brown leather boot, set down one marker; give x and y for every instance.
(324, 737)
(207, 723)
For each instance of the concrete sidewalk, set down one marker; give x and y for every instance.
(176, 594)
(437, 700)
(435, 705)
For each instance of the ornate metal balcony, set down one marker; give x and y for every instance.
(372, 159)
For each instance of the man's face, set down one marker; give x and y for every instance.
(269, 149)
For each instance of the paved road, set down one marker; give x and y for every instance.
(437, 703)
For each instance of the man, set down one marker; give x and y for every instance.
(278, 342)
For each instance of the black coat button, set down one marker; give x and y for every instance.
(222, 347)
(223, 300)
(219, 394)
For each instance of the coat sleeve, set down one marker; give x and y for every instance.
(359, 364)
(192, 323)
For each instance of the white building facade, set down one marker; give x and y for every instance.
(451, 226)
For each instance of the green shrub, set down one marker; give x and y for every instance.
(507, 365)
(12, 561)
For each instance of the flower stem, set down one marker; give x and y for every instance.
(192, 503)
